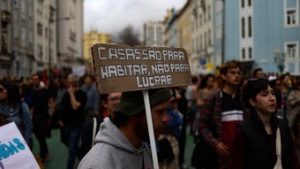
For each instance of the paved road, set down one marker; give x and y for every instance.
(58, 151)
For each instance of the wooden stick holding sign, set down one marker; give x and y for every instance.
(150, 128)
(140, 68)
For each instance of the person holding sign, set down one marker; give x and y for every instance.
(122, 139)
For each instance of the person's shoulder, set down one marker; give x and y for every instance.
(100, 156)
(214, 96)
(283, 123)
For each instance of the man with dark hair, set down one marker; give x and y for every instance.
(220, 115)
(258, 73)
(72, 117)
(40, 99)
(122, 139)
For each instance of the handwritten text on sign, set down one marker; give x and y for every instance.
(123, 68)
(14, 152)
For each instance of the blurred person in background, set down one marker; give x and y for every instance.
(258, 73)
(91, 127)
(296, 132)
(182, 108)
(255, 144)
(220, 116)
(190, 95)
(275, 83)
(93, 97)
(286, 86)
(40, 100)
(72, 118)
(293, 102)
(205, 90)
(168, 141)
(15, 110)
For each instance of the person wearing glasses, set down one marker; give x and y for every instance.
(91, 127)
(256, 142)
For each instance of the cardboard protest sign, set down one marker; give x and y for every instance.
(14, 152)
(125, 68)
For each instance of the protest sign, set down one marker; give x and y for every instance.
(125, 68)
(14, 152)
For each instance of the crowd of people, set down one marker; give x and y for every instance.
(236, 121)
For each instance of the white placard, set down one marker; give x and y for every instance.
(14, 152)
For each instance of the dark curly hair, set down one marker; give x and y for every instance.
(13, 92)
(252, 88)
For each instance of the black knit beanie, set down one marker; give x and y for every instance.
(133, 102)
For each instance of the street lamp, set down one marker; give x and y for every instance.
(49, 36)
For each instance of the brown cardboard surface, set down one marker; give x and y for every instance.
(125, 68)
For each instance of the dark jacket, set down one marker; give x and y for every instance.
(73, 118)
(210, 119)
(254, 148)
(87, 136)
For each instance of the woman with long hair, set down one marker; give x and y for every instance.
(15, 110)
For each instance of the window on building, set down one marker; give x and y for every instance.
(205, 41)
(292, 51)
(250, 53)
(249, 3)
(249, 26)
(197, 44)
(40, 29)
(200, 20)
(208, 13)
(243, 53)
(242, 3)
(40, 52)
(51, 35)
(194, 46)
(243, 27)
(201, 42)
(72, 36)
(40, 7)
(209, 39)
(291, 17)
(46, 32)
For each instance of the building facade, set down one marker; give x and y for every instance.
(70, 33)
(170, 32)
(266, 33)
(184, 29)
(16, 52)
(44, 27)
(5, 37)
(92, 38)
(153, 33)
(39, 35)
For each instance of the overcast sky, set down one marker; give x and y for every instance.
(111, 16)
